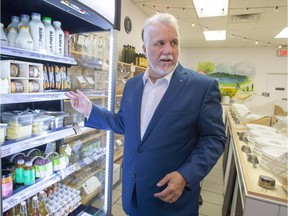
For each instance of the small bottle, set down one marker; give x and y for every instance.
(23, 209)
(59, 38)
(19, 171)
(4, 39)
(7, 184)
(12, 36)
(42, 206)
(49, 35)
(67, 44)
(37, 31)
(35, 207)
(29, 173)
(24, 39)
(14, 22)
(24, 20)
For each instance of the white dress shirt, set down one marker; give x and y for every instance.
(152, 95)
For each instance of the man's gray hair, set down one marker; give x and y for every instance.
(161, 18)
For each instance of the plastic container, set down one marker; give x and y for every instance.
(19, 126)
(49, 35)
(12, 36)
(58, 121)
(24, 20)
(3, 37)
(7, 184)
(24, 39)
(41, 123)
(59, 38)
(3, 128)
(37, 31)
(14, 22)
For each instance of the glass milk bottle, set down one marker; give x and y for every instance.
(49, 35)
(24, 39)
(14, 22)
(24, 20)
(12, 35)
(59, 38)
(3, 37)
(37, 31)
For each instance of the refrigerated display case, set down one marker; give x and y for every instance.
(71, 163)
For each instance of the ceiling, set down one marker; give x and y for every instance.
(247, 22)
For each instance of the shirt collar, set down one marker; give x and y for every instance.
(167, 77)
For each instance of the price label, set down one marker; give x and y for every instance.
(95, 156)
(119, 142)
(76, 166)
(87, 160)
(132, 68)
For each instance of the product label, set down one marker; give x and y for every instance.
(7, 189)
(51, 44)
(29, 177)
(19, 175)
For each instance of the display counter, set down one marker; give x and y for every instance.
(242, 193)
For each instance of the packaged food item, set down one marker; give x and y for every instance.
(3, 128)
(33, 71)
(29, 173)
(12, 35)
(19, 125)
(7, 184)
(33, 86)
(67, 44)
(24, 39)
(19, 171)
(41, 123)
(49, 35)
(14, 71)
(24, 20)
(59, 38)
(4, 39)
(37, 31)
(16, 87)
(14, 22)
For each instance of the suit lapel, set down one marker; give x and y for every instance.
(176, 84)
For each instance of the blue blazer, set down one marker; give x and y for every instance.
(186, 134)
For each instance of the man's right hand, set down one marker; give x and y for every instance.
(80, 102)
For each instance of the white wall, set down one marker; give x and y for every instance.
(264, 59)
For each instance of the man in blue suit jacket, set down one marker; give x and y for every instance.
(171, 118)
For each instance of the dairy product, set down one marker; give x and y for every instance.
(24, 39)
(4, 39)
(12, 35)
(37, 31)
(67, 44)
(14, 21)
(49, 35)
(59, 38)
(24, 20)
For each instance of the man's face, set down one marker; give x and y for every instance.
(161, 50)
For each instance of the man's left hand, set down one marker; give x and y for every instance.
(175, 186)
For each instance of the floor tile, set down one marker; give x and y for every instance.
(211, 187)
(117, 210)
(116, 195)
(211, 197)
(210, 209)
(214, 179)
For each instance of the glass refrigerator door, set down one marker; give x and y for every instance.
(73, 164)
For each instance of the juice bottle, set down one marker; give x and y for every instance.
(35, 207)
(29, 173)
(42, 206)
(19, 171)
(23, 209)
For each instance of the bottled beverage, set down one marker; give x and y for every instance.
(4, 39)
(49, 35)
(29, 173)
(19, 169)
(23, 209)
(59, 38)
(67, 44)
(12, 35)
(14, 21)
(35, 207)
(42, 206)
(24, 20)
(24, 39)
(37, 31)
(12, 212)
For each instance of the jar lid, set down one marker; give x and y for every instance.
(28, 163)
(21, 161)
(6, 173)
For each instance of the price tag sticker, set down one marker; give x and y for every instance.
(76, 166)
(119, 142)
(87, 160)
(133, 68)
(68, 150)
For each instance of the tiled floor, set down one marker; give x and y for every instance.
(212, 194)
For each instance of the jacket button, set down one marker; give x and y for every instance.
(134, 176)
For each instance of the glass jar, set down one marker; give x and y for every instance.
(29, 173)
(7, 184)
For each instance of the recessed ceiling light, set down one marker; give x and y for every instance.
(215, 35)
(208, 8)
(283, 33)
